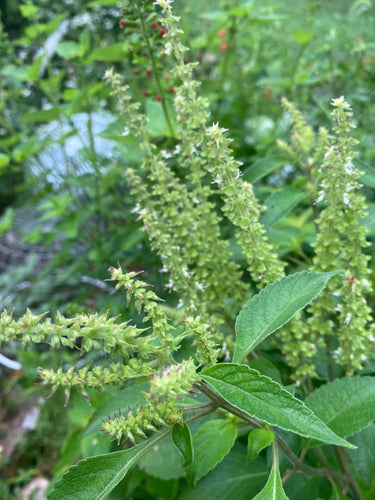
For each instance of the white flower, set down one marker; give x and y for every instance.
(185, 272)
(167, 48)
(349, 167)
(366, 282)
(177, 150)
(180, 304)
(194, 150)
(217, 180)
(136, 209)
(108, 74)
(238, 174)
(346, 200)
(371, 337)
(164, 269)
(169, 285)
(336, 353)
(320, 197)
(200, 286)
(166, 154)
(340, 103)
(364, 357)
(125, 132)
(347, 319)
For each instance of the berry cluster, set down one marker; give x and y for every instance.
(145, 35)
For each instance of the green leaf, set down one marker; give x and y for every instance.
(111, 53)
(101, 2)
(157, 124)
(337, 494)
(302, 36)
(95, 477)
(212, 441)
(42, 115)
(368, 170)
(4, 160)
(369, 221)
(29, 10)
(273, 306)
(233, 478)
(84, 41)
(69, 50)
(262, 167)
(273, 488)
(6, 219)
(33, 71)
(363, 458)
(266, 400)
(346, 405)
(182, 439)
(258, 440)
(280, 203)
(265, 367)
(163, 461)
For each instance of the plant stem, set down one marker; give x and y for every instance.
(293, 459)
(342, 459)
(155, 72)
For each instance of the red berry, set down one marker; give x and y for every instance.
(155, 26)
(148, 72)
(223, 47)
(171, 90)
(222, 33)
(163, 31)
(144, 54)
(135, 72)
(144, 93)
(122, 23)
(159, 97)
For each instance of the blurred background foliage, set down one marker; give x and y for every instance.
(65, 210)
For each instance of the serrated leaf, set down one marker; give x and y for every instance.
(265, 399)
(273, 306)
(262, 167)
(182, 440)
(258, 440)
(273, 489)
(212, 441)
(346, 405)
(95, 477)
(233, 478)
(280, 203)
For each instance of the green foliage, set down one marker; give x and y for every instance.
(273, 307)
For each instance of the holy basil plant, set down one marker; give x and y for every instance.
(221, 416)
